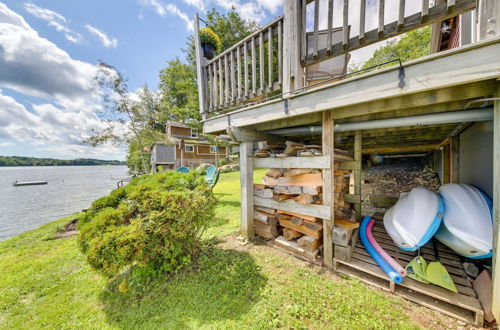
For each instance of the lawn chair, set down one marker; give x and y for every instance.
(182, 169)
(212, 176)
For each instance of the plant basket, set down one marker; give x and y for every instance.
(208, 50)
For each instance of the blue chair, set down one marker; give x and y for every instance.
(182, 169)
(212, 176)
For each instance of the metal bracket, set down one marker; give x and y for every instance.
(286, 107)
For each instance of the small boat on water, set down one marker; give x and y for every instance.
(28, 183)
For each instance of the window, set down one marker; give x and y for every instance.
(213, 149)
(194, 133)
(189, 148)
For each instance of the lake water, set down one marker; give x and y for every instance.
(70, 189)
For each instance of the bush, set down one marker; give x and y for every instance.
(148, 228)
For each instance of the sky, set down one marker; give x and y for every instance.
(49, 49)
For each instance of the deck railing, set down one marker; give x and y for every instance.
(272, 60)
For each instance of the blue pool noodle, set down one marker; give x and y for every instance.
(393, 275)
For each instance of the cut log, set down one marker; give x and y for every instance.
(313, 231)
(265, 193)
(296, 220)
(265, 231)
(288, 190)
(280, 198)
(283, 216)
(268, 181)
(294, 247)
(302, 180)
(341, 236)
(306, 217)
(296, 171)
(311, 190)
(274, 173)
(266, 218)
(347, 224)
(290, 234)
(258, 186)
(309, 243)
(484, 289)
(306, 199)
(265, 209)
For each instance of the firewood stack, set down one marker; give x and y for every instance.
(298, 233)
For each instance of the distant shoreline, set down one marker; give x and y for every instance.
(18, 161)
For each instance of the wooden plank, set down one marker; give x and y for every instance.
(316, 28)
(221, 83)
(401, 19)
(241, 134)
(315, 260)
(303, 31)
(290, 234)
(381, 8)
(349, 165)
(233, 77)
(467, 68)
(320, 211)
(357, 172)
(226, 80)
(265, 193)
(329, 42)
(328, 187)
(362, 19)
(488, 20)
(352, 198)
(288, 215)
(450, 4)
(245, 69)
(425, 10)
(314, 230)
(293, 162)
(261, 63)
(239, 88)
(254, 68)
(246, 181)
(211, 89)
(496, 206)
(280, 54)
(345, 24)
(270, 65)
(311, 179)
(454, 159)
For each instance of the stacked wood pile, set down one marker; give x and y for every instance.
(289, 149)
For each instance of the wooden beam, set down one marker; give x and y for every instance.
(464, 65)
(241, 134)
(246, 181)
(293, 162)
(328, 189)
(496, 207)
(320, 211)
(357, 172)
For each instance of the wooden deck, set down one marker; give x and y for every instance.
(463, 305)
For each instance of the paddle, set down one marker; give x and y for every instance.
(437, 274)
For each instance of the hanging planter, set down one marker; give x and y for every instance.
(210, 42)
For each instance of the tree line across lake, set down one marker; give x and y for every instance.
(31, 161)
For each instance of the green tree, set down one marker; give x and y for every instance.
(410, 46)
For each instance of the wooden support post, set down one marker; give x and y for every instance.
(435, 161)
(246, 181)
(488, 20)
(496, 207)
(445, 165)
(357, 172)
(454, 159)
(328, 189)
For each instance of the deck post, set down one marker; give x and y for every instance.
(293, 73)
(246, 181)
(488, 19)
(454, 159)
(496, 207)
(328, 188)
(200, 59)
(357, 173)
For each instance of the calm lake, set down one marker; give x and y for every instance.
(70, 190)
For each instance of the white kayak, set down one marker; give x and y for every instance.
(467, 226)
(414, 219)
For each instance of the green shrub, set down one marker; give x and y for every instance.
(207, 35)
(148, 228)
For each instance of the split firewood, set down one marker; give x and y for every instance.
(309, 243)
(267, 218)
(301, 180)
(305, 217)
(282, 197)
(257, 186)
(268, 181)
(296, 220)
(266, 231)
(265, 209)
(294, 247)
(274, 173)
(296, 171)
(290, 234)
(266, 193)
(311, 190)
(293, 144)
(262, 154)
(313, 231)
(288, 190)
(306, 199)
(283, 216)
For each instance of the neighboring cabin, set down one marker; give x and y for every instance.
(185, 148)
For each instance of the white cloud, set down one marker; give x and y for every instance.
(199, 4)
(106, 40)
(6, 144)
(169, 8)
(56, 20)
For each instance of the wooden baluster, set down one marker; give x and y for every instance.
(261, 62)
(362, 19)
(401, 20)
(226, 80)
(210, 82)
(205, 87)
(381, 8)
(303, 35)
(280, 53)
(238, 72)
(221, 84)
(215, 85)
(270, 57)
(316, 28)
(345, 26)
(245, 68)
(450, 4)
(425, 9)
(254, 68)
(233, 77)
(329, 40)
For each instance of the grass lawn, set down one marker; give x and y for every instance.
(46, 283)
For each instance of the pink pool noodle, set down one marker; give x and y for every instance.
(393, 263)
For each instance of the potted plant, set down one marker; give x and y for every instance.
(210, 42)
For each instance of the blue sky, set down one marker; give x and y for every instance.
(48, 52)
(49, 48)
